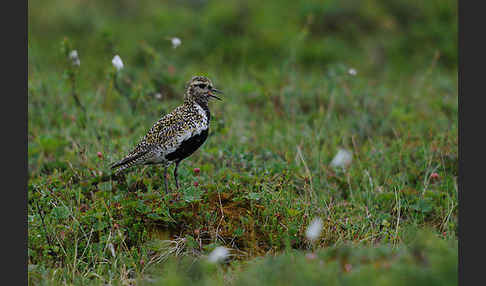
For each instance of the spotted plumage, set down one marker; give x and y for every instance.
(178, 134)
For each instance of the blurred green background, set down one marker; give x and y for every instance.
(374, 35)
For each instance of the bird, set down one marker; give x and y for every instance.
(176, 135)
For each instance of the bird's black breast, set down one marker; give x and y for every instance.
(188, 146)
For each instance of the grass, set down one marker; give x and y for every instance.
(265, 168)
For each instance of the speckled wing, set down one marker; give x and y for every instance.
(181, 126)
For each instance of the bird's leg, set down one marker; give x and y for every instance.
(175, 174)
(165, 180)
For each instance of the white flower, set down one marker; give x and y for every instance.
(342, 159)
(313, 231)
(112, 249)
(175, 42)
(218, 254)
(73, 55)
(158, 95)
(352, 72)
(117, 62)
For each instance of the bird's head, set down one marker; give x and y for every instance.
(200, 89)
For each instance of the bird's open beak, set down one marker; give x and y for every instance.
(211, 93)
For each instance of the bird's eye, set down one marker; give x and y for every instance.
(202, 85)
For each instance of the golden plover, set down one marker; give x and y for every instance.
(176, 135)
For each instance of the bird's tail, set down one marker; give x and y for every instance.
(128, 161)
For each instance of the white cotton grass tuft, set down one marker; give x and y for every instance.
(175, 42)
(342, 159)
(117, 62)
(314, 229)
(112, 249)
(74, 57)
(219, 254)
(352, 71)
